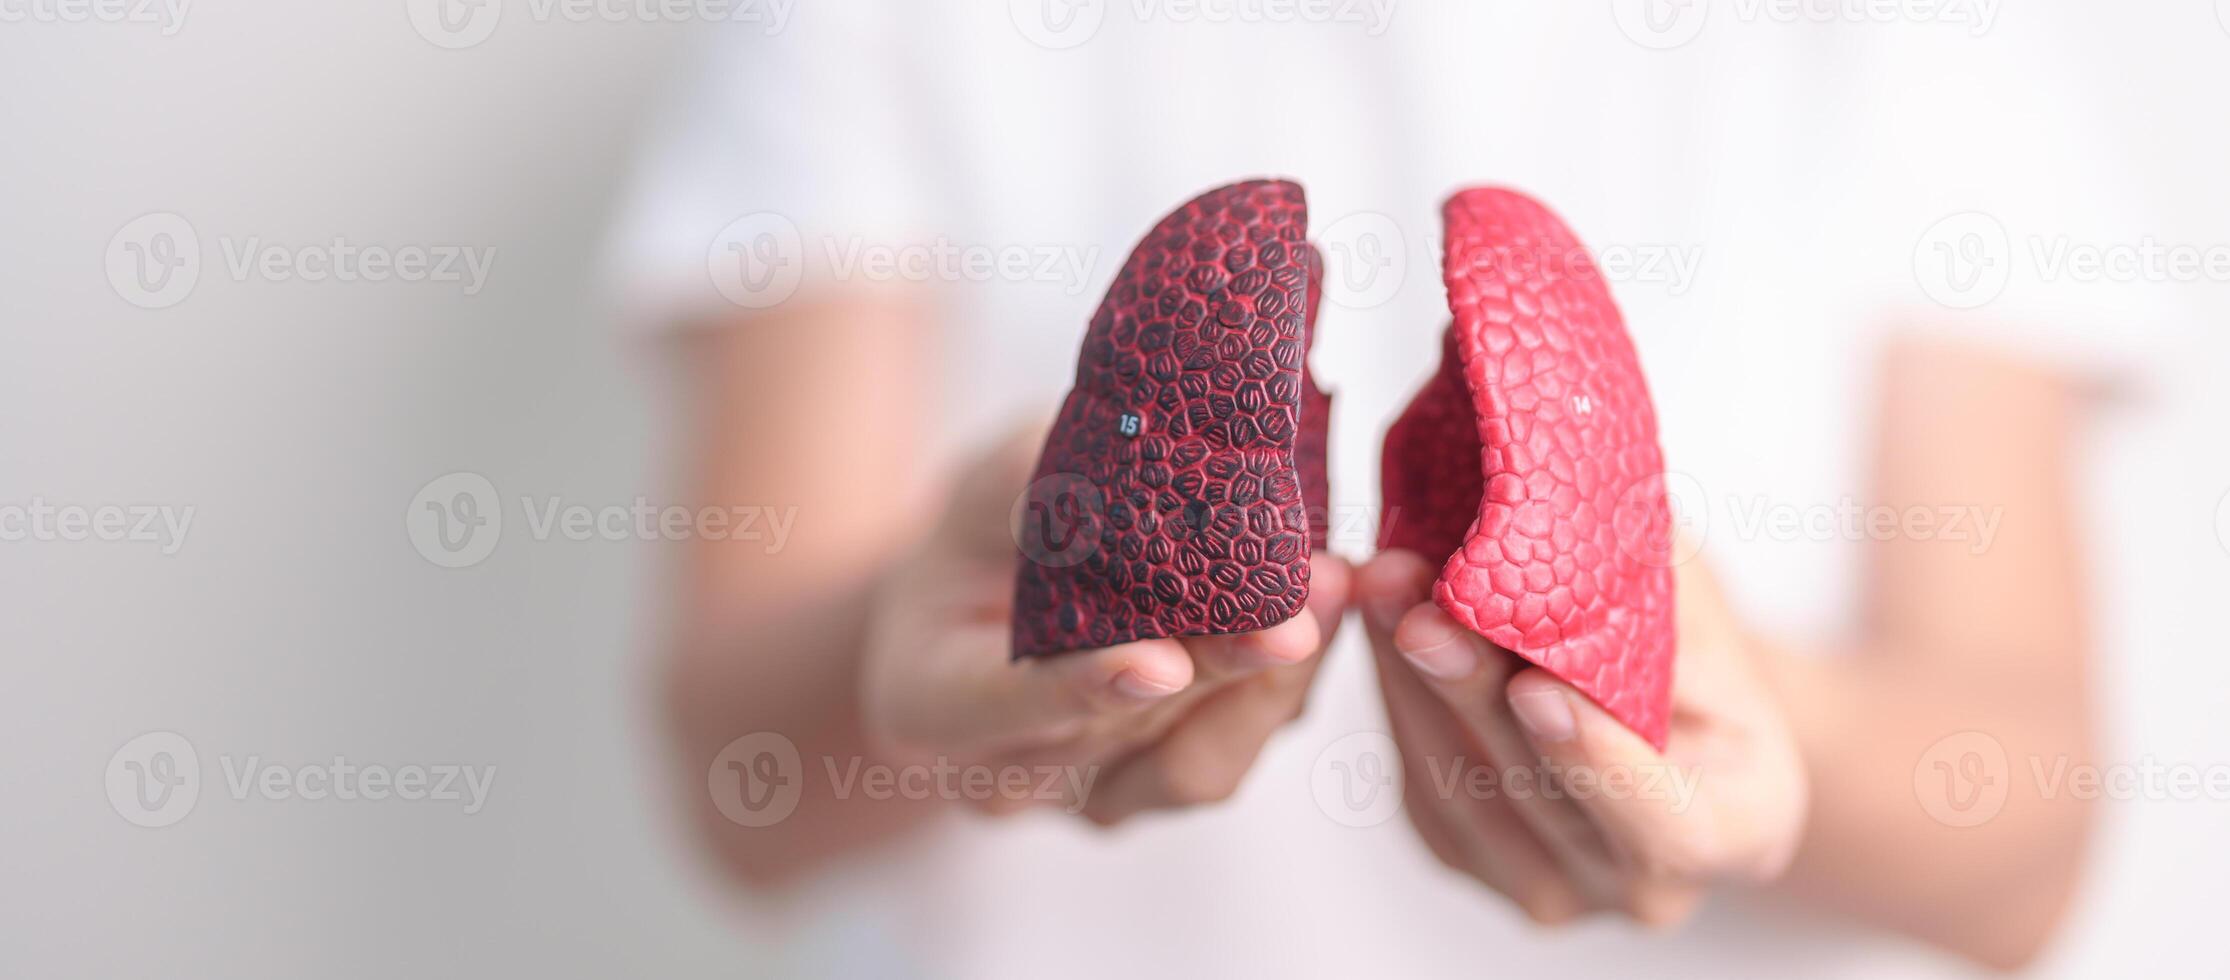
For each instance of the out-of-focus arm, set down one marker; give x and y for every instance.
(809, 409)
(1956, 641)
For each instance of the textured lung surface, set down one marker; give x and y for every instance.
(1530, 460)
(1183, 485)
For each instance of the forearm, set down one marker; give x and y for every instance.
(1981, 633)
(804, 410)
(791, 671)
(1876, 847)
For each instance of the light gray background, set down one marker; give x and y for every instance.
(299, 419)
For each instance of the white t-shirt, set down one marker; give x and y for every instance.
(1767, 197)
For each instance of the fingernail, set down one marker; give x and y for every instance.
(1546, 715)
(1278, 654)
(1449, 658)
(1132, 684)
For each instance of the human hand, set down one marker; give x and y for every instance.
(1158, 723)
(1581, 814)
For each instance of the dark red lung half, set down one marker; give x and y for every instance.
(1183, 485)
(1530, 461)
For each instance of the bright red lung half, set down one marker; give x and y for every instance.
(1530, 460)
(1176, 492)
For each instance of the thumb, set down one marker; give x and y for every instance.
(1647, 807)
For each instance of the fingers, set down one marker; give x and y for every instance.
(962, 694)
(1570, 733)
(1466, 674)
(1388, 586)
(1480, 837)
(1644, 807)
(1228, 657)
(1252, 685)
(1621, 826)
(1552, 794)
(1205, 756)
(1726, 802)
(1331, 591)
(1458, 678)
(1715, 672)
